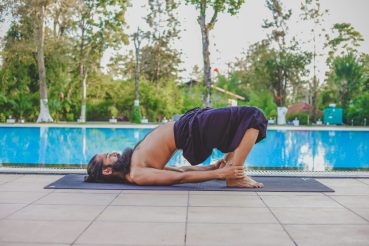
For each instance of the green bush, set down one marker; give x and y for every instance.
(136, 114)
(302, 117)
(98, 110)
(358, 110)
(264, 100)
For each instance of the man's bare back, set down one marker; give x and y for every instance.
(156, 149)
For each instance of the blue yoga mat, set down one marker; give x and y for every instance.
(276, 184)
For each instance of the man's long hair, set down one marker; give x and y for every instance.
(123, 164)
(95, 167)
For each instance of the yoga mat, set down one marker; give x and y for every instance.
(276, 184)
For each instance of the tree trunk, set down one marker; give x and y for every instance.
(44, 115)
(137, 74)
(82, 75)
(206, 57)
(137, 44)
(314, 98)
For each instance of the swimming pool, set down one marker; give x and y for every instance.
(308, 150)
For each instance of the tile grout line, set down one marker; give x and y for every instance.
(88, 226)
(349, 209)
(283, 227)
(186, 223)
(27, 205)
(361, 182)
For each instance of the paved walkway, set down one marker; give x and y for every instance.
(30, 215)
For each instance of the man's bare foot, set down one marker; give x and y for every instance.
(245, 182)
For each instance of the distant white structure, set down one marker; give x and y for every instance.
(10, 120)
(282, 111)
(296, 122)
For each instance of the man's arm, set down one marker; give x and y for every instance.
(152, 176)
(215, 165)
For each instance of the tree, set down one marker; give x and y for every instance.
(346, 78)
(289, 62)
(137, 39)
(345, 40)
(347, 75)
(217, 6)
(313, 16)
(160, 60)
(37, 10)
(99, 25)
(40, 11)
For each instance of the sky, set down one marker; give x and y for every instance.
(233, 35)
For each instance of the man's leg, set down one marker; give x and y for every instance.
(238, 158)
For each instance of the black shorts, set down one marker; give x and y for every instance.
(199, 131)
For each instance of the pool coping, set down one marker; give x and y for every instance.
(265, 173)
(153, 125)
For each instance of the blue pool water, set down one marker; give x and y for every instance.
(288, 149)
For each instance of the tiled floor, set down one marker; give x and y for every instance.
(30, 215)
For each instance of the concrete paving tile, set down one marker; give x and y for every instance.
(17, 186)
(40, 231)
(9, 177)
(224, 193)
(317, 216)
(151, 200)
(366, 181)
(134, 233)
(300, 201)
(144, 214)
(353, 201)
(32, 244)
(236, 234)
(8, 208)
(77, 199)
(226, 201)
(329, 235)
(346, 186)
(57, 212)
(230, 215)
(339, 181)
(40, 178)
(363, 212)
(21, 197)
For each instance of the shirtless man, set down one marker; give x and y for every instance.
(233, 130)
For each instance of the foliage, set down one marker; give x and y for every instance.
(345, 40)
(346, 80)
(264, 100)
(288, 65)
(217, 7)
(136, 115)
(302, 117)
(313, 15)
(192, 96)
(77, 33)
(358, 111)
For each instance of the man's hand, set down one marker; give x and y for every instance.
(231, 172)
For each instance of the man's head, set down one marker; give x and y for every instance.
(109, 167)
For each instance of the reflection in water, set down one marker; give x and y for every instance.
(84, 146)
(304, 150)
(43, 145)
